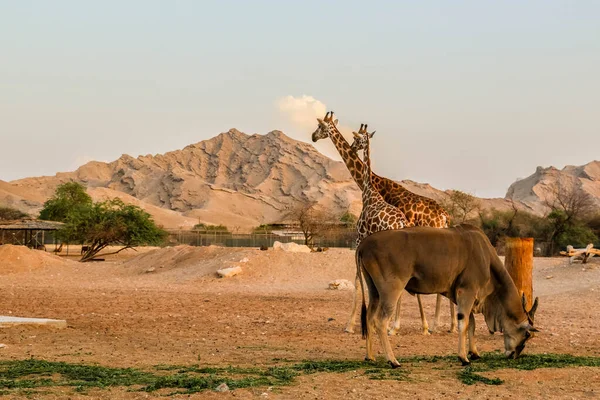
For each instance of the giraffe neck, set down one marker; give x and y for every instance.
(351, 159)
(368, 193)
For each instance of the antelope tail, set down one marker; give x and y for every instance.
(363, 309)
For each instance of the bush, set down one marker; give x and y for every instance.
(210, 228)
(578, 236)
(515, 223)
(348, 220)
(9, 214)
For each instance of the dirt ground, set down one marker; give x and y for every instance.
(166, 306)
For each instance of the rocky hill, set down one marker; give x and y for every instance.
(234, 179)
(242, 181)
(536, 188)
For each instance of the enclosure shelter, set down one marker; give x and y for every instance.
(30, 233)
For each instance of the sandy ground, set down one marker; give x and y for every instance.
(166, 306)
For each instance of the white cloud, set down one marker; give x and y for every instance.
(301, 111)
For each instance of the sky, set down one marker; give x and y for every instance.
(467, 95)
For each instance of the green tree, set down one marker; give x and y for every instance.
(69, 197)
(512, 223)
(460, 205)
(348, 219)
(9, 213)
(108, 223)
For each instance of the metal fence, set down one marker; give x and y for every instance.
(338, 238)
(343, 238)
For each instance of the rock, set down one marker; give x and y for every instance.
(244, 260)
(151, 269)
(2, 345)
(222, 388)
(291, 247)
(264, 248)
(229, 272)
(549, 276)
(341, 284)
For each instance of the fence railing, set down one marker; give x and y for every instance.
(227, 239)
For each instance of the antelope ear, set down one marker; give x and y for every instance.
(524, 302)
(372, 134)
(532, 329)
(335, 122)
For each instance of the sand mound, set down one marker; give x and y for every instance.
(21, 259)
(263, 271)
(185, 261)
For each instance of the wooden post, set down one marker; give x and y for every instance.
(519, 263)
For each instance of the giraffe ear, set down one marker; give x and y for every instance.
(356, 135)
(372, 134)
(335, 122)
(319, 120)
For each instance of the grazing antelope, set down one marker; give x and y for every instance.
(459, 263)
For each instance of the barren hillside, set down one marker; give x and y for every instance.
(533, 190)
(234, 179)
(242, 181)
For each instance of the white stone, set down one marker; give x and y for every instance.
(229, 272)
(341, 284)
(291, 247)
(6, 322)
(2, 345)
(244, 260)
(222, 387)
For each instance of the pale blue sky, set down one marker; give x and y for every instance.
(463, 94)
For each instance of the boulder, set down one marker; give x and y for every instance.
(341, 284)
(229, 272)
(291, 247)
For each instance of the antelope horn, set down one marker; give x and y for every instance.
(533, 309)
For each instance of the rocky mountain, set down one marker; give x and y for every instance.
(536, 188)
(242, 181)
(234, 179)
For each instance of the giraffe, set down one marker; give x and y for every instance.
(418, 210)
(377, 215)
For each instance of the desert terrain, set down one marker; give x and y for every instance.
(166, 307)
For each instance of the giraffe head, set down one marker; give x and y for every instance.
(326, 126)
(361, 138)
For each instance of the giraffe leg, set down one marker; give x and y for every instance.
(395, 325)
(436, 318)
(423, 317)
(355, 306)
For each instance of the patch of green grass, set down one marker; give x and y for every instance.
(468, 377)
(29, 376)
(528, 362)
